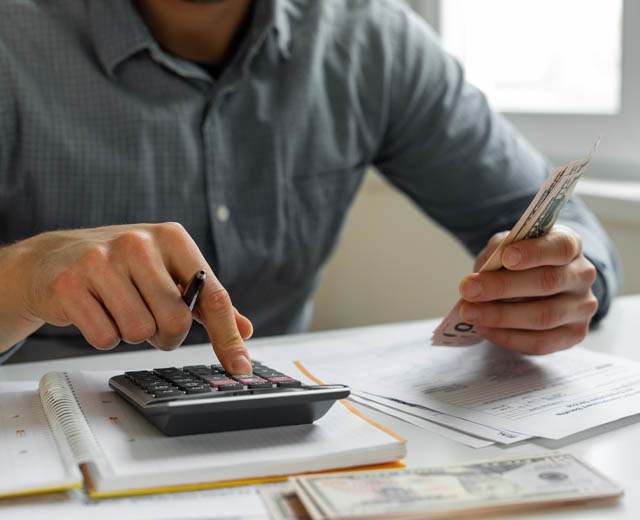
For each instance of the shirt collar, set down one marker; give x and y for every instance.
(282, 11)
(119, 32)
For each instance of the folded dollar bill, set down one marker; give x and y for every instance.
(475, 488)
(536, 221)
(282, 502)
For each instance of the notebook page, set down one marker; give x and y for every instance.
(237, 502)
(138, 455)
(30, 459)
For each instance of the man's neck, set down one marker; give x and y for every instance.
(197, 31)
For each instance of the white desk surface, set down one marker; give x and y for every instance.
(612, 449)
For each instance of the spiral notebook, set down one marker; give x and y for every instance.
(77, 431)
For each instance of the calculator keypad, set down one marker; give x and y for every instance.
(173, 382)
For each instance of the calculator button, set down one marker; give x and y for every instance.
(167, 371)
(145, 382)
(279, 379)
(214, 377)
(157, 386)
(182, 380)
(196, 368)
(234, 386)
(289, 384)
(268, 373)
(222, 382)
(190, 384)
(137, 373)
(198, 390)
(247, 380)
(168, 393)
(265, 384)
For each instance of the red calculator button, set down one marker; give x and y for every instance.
(216, 384)
(250, 380)
(279, 379)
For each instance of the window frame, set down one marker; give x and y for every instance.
(618, 156)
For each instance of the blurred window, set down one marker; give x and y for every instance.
(539, 56)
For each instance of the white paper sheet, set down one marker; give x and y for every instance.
(449, 433)
(548, 396)
(229, 503)
(30, 459)
(450, 422)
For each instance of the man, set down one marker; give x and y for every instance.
(251, 124)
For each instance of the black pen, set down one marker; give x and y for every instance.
(190, 295)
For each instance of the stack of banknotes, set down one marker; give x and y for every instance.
(514, 485)
(537, 220)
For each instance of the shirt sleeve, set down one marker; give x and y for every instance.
(462, 163)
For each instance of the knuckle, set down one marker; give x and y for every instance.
(495, 316)
(550, 279)
(571, 246)
(64, 285)
(218, 300)
(591, 306)
(549, 316)
(178, 324)
(589, 273)
(499, 286)
(96, 257)
(172, 230)
(233, 344)
(137, 242)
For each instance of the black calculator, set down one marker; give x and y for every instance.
(206, 398)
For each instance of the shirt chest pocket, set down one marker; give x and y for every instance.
(315, 209)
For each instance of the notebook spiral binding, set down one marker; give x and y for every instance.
(66, 419)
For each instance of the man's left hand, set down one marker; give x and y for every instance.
(541, 301)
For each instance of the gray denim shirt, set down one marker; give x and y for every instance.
(99, 125)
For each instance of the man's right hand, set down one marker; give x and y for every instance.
(117, 283)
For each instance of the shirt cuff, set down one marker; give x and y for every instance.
(600, 290)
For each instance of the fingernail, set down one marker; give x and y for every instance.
(512, 257)
(471, 288)
(241, 365)
(469, 312)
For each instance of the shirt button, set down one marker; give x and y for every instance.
(222, 213)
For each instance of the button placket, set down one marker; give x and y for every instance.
(214, 186)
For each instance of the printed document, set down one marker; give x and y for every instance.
(549, 396)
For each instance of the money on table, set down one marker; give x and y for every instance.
(487, 487)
